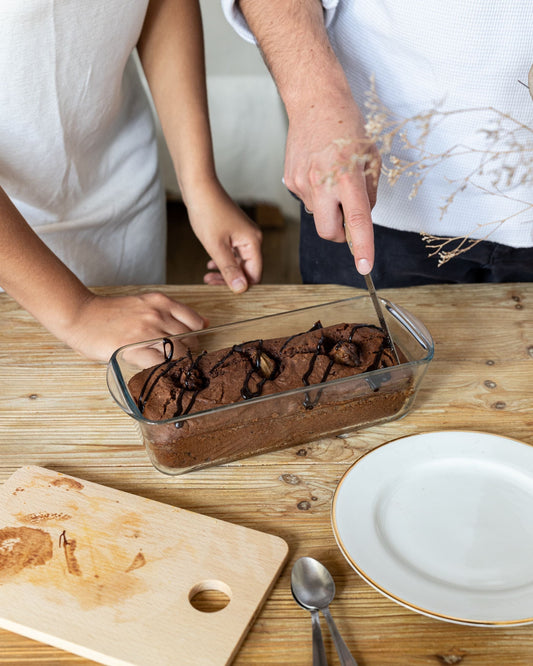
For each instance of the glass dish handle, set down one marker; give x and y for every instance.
(417, 329)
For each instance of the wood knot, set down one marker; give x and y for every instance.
(301, 452)
(450, 659)
(490, 384)
(291, 479)
(499, 405)
(489, 362)
(530, 350)
(304, 505)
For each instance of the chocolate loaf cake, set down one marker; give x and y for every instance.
(187, 384)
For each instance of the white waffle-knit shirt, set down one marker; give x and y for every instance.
(457, 55)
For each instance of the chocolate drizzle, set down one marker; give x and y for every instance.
(320, 347)
(317, 325)
(189, 379)
(168, 351)
(257, 368)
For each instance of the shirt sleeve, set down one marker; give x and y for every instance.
(236, 19)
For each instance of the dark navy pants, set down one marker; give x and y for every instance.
(402, 261)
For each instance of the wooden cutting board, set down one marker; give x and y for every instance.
(110, 576)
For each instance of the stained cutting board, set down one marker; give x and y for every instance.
(110, 576)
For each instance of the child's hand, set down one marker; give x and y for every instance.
(232, 241)
(104, 323)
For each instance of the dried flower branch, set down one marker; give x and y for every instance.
(504, 159)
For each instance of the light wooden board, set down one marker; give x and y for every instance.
(110, 576)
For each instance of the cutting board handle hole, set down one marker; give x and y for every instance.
(210, 596)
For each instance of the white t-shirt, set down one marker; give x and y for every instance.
(78, 152)
(465, 55)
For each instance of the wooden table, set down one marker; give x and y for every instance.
(55, 411)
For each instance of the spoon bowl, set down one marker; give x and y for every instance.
(312, 583)
(314, 588)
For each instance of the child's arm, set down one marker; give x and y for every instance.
(171, 52)
(93, 325)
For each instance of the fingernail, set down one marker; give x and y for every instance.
(239, 284)
(363, 266)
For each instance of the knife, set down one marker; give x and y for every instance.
(375, 301)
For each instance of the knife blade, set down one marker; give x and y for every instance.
(379, 312)
(375, 302)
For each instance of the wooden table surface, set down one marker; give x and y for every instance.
(56, 412)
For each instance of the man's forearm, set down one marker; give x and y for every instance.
(327, 150)
(295, 46)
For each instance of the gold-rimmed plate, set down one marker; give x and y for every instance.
(442, 523)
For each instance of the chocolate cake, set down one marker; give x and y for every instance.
(187, 384)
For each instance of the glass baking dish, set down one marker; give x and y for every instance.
(290, 418)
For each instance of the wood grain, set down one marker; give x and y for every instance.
(116, 578)
(55, 412)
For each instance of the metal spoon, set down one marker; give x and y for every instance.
(314, 588)
(319, 652)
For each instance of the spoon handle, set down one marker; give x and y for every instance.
(319, 652)
(345, 655)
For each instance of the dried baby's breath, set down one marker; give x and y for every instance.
(507, 144)
(360, 157)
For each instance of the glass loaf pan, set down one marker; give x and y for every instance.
(271, 422)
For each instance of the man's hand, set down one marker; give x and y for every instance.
(333, 168)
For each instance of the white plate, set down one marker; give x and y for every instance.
(442, 523)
